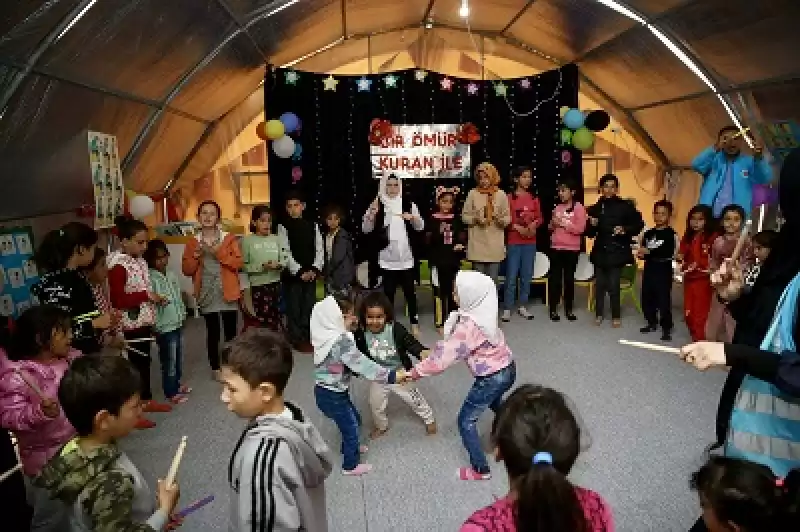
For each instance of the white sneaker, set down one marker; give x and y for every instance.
(522, 311)
(506, 315)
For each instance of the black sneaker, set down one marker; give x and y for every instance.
(666, 336)
(648, 329)
(570, 316)
(554, 316)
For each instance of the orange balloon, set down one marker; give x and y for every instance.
(261, 131)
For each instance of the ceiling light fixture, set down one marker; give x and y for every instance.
(463, 11)
(76, 19)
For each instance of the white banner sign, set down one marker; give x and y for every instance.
(426, 150)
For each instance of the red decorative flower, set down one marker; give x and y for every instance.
(468, 134)
(379, 130)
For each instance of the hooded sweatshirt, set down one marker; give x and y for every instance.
(104, 490)
(277, 474)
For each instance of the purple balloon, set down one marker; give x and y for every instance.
(764, 195)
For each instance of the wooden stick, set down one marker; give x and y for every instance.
(129, 348)
(741, 132)
(740, 243)
(10, 472)
(32, 385)
(651, 347)
(176, 462)
(139, 340)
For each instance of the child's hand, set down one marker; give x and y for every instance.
(407, 217)
(50, 408)
(703, 355)
(424, 354)
(593, 221)
(174, 522)
(168, 496)
(158, 299)
(458, 247)
(102, 322)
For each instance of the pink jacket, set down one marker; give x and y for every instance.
(468, 343)
(39, 437)
(568, 238)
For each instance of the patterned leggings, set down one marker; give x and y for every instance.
(266, 301)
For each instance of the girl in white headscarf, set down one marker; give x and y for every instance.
(336, 360)
(391, 213)
(471, 334)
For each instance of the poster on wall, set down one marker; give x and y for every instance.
(18, 272)
(109, 195)
(422, 150)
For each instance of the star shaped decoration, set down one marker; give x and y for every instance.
(390, 81)
(525, 83)
(330, 83)
(419, 75)
(447, 84)
(292, 77)
(472, 89)
(364, 84)
(500, 88)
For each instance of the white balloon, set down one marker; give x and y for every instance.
(141, 206)
(283, 147)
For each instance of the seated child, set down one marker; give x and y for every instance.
(538, 438)
(282, 488)
(40, 352)
(91, 475)
(389, 344)
(336, 359)
(471, 334)
(741, 496)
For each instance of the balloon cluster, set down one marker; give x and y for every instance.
(278, 131)
(468, 134)
(141, 206)
(379, 129)
(764, 195)
(580, 127)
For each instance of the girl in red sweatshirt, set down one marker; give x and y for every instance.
(526, 217)
(694, 254)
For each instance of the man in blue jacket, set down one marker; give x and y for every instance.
(728, 174)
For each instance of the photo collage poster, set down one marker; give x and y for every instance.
(18, 271)
(109, 194)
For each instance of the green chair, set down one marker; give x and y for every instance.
(627, 286)
(320, 289)
(425, 278)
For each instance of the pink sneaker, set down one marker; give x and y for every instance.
(467, 473)
(360, 469)
(363, 448)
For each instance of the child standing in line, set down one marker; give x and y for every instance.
(282, 488)
(657, 249)
(340, 265)
(102, 488)
(567, 225)
(97, 275)
(265, 256)
(61, 255)
(487, 214)
(305, 263)
(537, 437)
(762, 244)
(526, 217)
(40, 352)
(389, 344)
(694, 256)
(472, 335)
(170, 317)
(447, 238)
(129, 286)
(336, 359)
(720, 324)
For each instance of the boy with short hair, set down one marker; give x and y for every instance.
(305, 264)
(100, 398)
(658, 247)
(279, 465)
(340, 266)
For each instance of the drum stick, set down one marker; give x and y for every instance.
(139, 340)
(176, 462)
(651, 347)
(740, 243)
(129, 348)
(10, 472)
(32, 385)
(741, 133)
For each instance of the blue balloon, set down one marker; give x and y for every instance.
(298, 151)
(289, 121)
(573, 119)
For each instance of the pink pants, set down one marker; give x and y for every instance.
(720, 324)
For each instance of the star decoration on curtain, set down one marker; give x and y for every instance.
(292, 77)
(419, 75)
(447, 84)
(525, 83)
(500, 89)
(330, 83)
(472, 89)
(390, 81)
(364, 84)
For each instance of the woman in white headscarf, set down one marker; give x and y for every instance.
(336, 359)
(397, 217)
(471, 334)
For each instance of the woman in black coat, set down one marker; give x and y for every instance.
(613, 223)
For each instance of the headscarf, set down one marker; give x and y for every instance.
(491, 190)
(327, 326)
(477, 300)
(392, 208)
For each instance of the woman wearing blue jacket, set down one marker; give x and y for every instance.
(728, 174)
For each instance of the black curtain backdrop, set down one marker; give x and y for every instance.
(335, 159)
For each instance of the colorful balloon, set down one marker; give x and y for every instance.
(298, 152)
(566, 137)
(597, 120)
(261, 131)
(283, 147)
(573, 119)
(290, 122)
(141, 206)
(275, 129)
(583, 139)
(563, 111)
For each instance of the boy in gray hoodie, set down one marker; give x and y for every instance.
(279, 465)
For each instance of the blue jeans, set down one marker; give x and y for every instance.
(519, 263)
(170, 351)
(486, 392)
(339, 408)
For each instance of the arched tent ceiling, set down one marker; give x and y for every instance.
(176, 80)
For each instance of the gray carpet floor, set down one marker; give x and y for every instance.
(648, 415)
